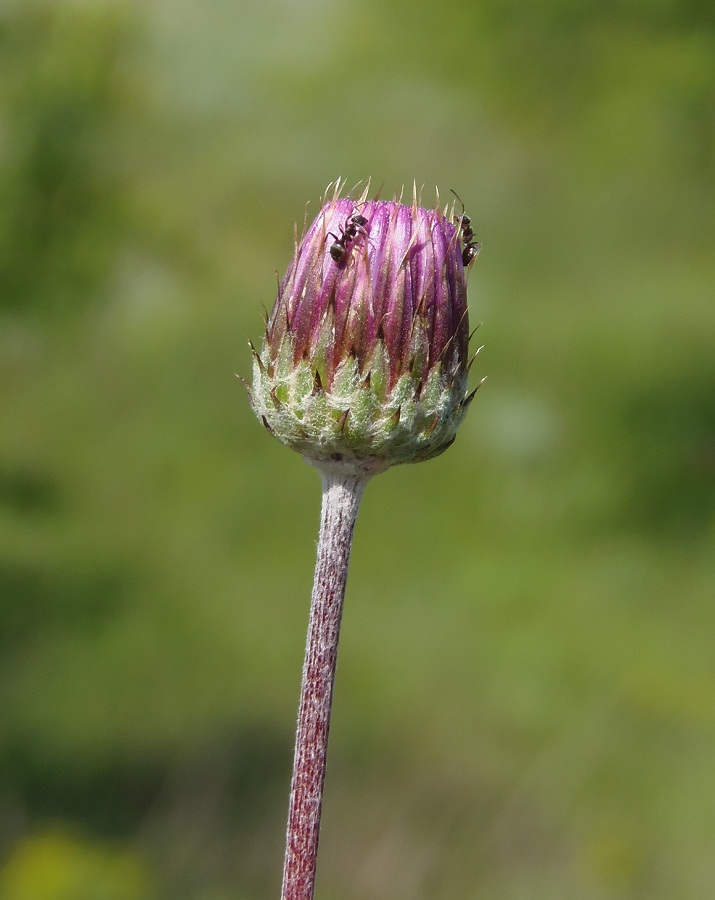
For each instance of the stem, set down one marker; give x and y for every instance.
(341, 499)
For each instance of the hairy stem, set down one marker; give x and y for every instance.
(341, 499)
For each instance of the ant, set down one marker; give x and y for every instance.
(471, 248)
(354, 226)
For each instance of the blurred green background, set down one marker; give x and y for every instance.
(525, 701)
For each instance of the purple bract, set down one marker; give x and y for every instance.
(376, 271)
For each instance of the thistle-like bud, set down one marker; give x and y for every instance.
(364, 361)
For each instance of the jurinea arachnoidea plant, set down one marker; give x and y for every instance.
(364, 365)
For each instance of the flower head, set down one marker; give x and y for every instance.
(364, 360)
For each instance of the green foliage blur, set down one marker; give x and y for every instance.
(525, 702)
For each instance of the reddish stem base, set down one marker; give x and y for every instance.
(341, 499)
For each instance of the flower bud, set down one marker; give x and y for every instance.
(364, 361)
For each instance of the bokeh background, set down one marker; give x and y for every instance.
(525, 702)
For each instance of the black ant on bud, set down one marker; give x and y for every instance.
(471, 248)
(354, 226)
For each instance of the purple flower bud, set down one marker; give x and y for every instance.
(364, 361)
